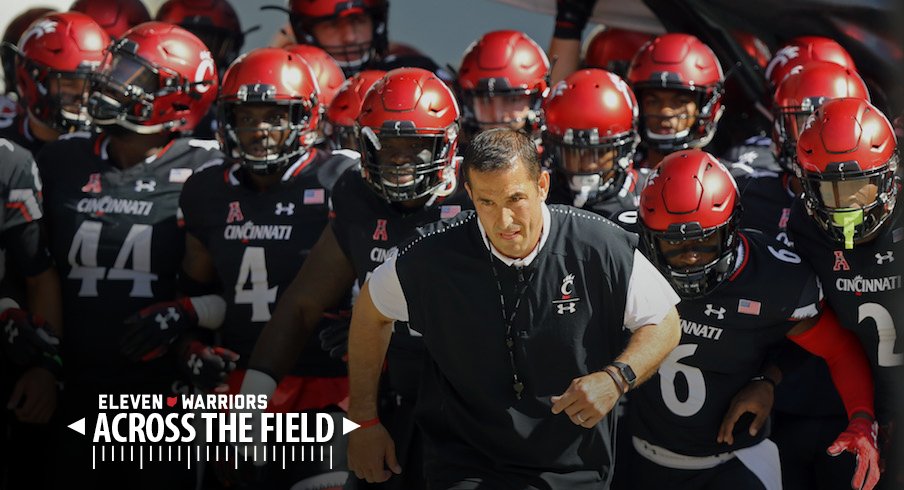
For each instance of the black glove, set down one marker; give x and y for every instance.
(334, 337)
(150, 332)
(29, 342)
(572, 17)
(207, 368)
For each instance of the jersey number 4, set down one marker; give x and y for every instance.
(259, 295)
(137, 246)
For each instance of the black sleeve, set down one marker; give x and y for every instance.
(27, 246)
(572, 17)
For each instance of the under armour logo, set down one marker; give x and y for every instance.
(380, 231)
(163, 321)
(235, 213)
(888, 257)
(747, 157)
(840, 262)
(11, 332)
(710, 311)
(93, 186)
(195, 363)
(288, 209)
(561, 308)
(142, 185)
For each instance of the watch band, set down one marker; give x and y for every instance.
(626, 372)
(616, 377)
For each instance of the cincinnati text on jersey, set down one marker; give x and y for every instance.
(700, 330)
(111, 205)
(861, 285)
(251, 231)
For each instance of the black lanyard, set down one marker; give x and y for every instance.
(509, 320)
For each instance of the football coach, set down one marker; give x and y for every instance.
(536, 319)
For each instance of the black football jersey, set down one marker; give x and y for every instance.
(259, 241)
(766, 197)
(20, 192)
(116, 240)
(620, 208)
(726, 337)
(369, 230)
(863, 285)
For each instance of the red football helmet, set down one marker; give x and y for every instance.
(800, 93)
(56, 56)
(352, 57)
(503, 78)
(848, 165)
(691, 205)
(268, 77)
(591, 133)
(613, 48)
(328, 72)
(114, 16)
(158, 77)
(682, 63)
(802, 50)
(342, 112)
(11, 36)
(213, 21)
(408, 129)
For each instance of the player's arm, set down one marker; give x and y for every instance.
(565, 47)
(852, 377)
(324, 279)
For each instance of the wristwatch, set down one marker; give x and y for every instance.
(626, 372)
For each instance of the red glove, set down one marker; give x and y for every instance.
(860, 439)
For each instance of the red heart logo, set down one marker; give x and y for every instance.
(171, 401)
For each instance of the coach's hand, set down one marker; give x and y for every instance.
(368, 450)
(588, 399)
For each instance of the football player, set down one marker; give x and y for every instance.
(678, 82)
(54, 59)
(251, 223)
(589, 142)
(742, 293)
(408, 127)
(808, 412)
(502, 80)
(111, 204)
(353, 32)
(848, 228)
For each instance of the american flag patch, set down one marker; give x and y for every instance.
(749, 307)
(897, 234)
(314, 196)
(447, 212)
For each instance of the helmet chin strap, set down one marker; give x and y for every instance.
(584, 186)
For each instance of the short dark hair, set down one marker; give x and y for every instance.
(499, 149)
